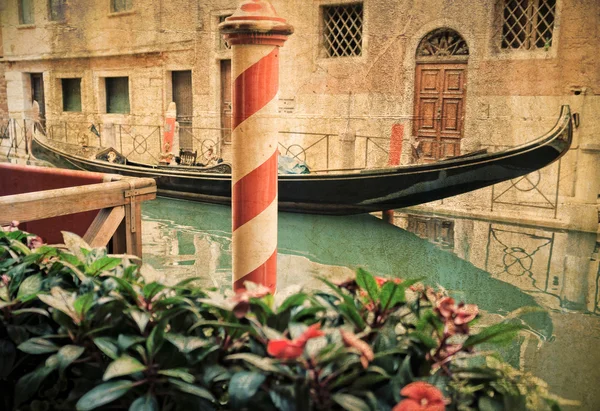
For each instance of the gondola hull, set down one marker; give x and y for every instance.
(350, 193)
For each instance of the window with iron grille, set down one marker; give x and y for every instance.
(56, 10)
(117, 95)
(343, 30)
(527, 24)
(223, 45)
(117, 6)
(26, 12)
(71, 94)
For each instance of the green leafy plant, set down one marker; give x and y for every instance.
(85, 330)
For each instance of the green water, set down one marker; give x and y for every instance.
(499, 267)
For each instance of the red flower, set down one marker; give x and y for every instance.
(291, 349)
(456, 318)
(421, 396)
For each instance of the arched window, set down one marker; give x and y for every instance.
(442, 43)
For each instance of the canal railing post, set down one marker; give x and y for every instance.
(255, 32)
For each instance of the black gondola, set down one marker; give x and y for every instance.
(346, 193)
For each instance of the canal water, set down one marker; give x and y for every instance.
(498, 266)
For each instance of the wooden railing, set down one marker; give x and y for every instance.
(119, 203)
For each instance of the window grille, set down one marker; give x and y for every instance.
(26, 12)
(56, 10)
(117, 95)
(71, 93)
(223, 45)
(117, 6)
(343, 30)
(443, 42)
(527, 24)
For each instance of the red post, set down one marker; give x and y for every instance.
(255, 33)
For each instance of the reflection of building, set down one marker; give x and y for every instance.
(449, 81)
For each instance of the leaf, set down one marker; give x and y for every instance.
(496, 333)
(68, 354)
(107, 346)
(291, 302)
(283, 398)
(103, 264)
(62, 301)
(146, 403)
(103, 394)
(180, 373)
(124, 365)
(192, 389)
(489, 404)
(155, 339)
(83, 304)
(140, 318)
(150, 290)
(367, 282)
(75, 244)
(243, 386)
(262, 363)
(31, 285)
(126, 341)
(350, 402)
(38, 345)
(185, 344)
(28, 384)
(31, 311)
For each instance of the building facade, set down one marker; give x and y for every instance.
(441, 78)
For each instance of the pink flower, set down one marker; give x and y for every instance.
(242, 298)
(445, 307)
(421, 396)
(285, 349)
(366, 353)
(465, 313)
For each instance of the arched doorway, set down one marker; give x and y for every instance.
(440, 91)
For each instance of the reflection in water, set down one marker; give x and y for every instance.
(560, 269)
(497, 266)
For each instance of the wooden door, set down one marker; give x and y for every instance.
(37, 94)
(439, 109)
(183, 98)
(226, 100)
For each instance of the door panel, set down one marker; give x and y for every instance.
(439, 109)
(183, 98)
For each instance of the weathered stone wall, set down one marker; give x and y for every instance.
(512, 96)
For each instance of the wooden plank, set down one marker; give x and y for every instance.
(104, 226)
(53, 203)
(133, 228)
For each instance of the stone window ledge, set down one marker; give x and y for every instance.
(122, 13)
(25, 26)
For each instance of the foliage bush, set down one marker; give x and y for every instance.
(83, 330)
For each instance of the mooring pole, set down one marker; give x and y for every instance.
(255, 32)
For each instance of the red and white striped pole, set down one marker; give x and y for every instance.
(255, 33)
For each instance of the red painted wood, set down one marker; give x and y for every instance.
(19, 179)
(266, 275)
